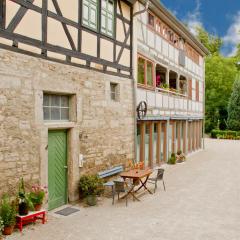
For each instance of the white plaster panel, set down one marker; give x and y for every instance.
(171, 102)
(177, 104)
(176, 55)
(151, 99)
(158, 44)
(165, 48)
(150, 38)
(159, 101)
(141, 95)
(165, 101)
(171, 52)
(185, 104)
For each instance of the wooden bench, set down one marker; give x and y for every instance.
(31, 217)
(109, 173)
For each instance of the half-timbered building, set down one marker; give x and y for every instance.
(66, 91)
(170, 85)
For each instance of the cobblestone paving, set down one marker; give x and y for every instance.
(202, 202)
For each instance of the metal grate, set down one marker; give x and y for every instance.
(67, 211)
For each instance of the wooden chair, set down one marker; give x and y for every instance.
(159, 177)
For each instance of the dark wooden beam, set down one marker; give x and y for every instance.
(60, 50)
(79, 25)
(123, 18)
(18, 17)
(2, 13)
(44, 25)
(21, 51)
(69, 37)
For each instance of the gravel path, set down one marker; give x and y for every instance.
(202, 202)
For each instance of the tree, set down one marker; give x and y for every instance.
(211, 42)
(234, 107)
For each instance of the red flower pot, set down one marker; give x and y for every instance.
(8, 230)
(37, 207)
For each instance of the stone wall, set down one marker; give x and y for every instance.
(101, 130)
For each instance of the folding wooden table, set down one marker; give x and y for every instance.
(137, 176)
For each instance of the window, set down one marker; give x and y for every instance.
(90, 14)
(107, 17)
(55, 107)
(141, 70)
(114, 91)
(149, 73)
(150, 20)
(145, 72)
(158, 26)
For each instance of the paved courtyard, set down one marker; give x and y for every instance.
(202, 202)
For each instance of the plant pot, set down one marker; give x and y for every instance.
(23, 209)
(8, 230)
(91, 200)
(37, 207)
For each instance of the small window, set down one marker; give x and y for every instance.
(150, 19)
(90, 13)
(55, 107)
(107, 17)
(141, 70)
(114, 91)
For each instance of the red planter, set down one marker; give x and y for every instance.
(37, 207)
(8, 230)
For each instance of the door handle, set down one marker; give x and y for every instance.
(66, 167)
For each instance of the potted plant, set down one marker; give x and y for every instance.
(24, 201)
(1, 228)
(180, 157)
(90, 186)
(8, 215)
(172, 159)
(37, 196)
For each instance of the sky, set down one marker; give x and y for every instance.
(219, 17)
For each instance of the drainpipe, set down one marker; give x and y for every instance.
(134, 70)
(204, 108)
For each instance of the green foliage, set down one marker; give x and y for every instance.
(227, 134)
(90, 185)
(172, 159)
(234, 107)
(37, 195)
(211, 42)
(24, 197)
(7, 212)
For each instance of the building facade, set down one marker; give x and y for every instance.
(170, 85)
(66, 92)
(71, 78)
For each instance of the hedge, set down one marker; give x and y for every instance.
(225, 134)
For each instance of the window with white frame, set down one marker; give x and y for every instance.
(55, 107)
(90, 13)
(107, 17)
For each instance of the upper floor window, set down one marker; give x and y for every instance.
(145, 72)
(55, 107)
(150, 20)
(91, 14)
(107, 17)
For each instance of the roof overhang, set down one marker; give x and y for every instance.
(156, 7)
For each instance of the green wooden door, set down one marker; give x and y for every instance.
(57, 168)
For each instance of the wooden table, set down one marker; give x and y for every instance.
(137, 176)
(31, 217)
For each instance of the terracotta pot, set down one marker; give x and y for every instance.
(37, 207)
(8, 230)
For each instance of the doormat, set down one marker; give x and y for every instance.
(67, 211)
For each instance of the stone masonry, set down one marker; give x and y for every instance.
(100, 129)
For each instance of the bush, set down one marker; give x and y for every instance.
(37, 194)
(8, 212)
(90, 185)
(172, 159)
(225, 134)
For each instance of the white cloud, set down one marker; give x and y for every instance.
(193, 18)
(232, 37)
